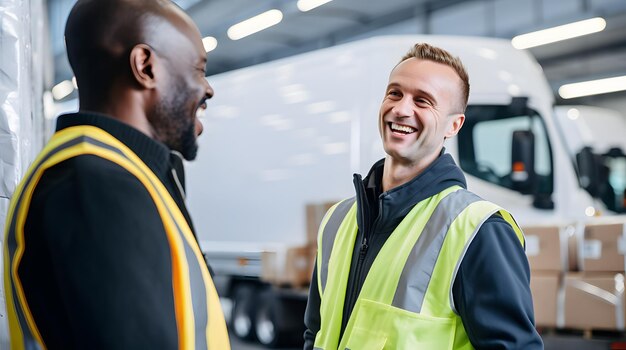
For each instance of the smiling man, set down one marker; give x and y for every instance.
(100, 248)
(415, 260)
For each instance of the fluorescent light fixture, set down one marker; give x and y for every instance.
(210, 43)
(74, 83)
(62, 89)
(307, 5)
(593, 87)
(255, 24)
(566, 31)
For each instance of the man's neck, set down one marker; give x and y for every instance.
(124, 109)
(397, 173)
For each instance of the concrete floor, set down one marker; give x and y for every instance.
(236, 344)
(552, 342)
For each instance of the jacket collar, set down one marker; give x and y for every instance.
(152, 152)
(396, 203)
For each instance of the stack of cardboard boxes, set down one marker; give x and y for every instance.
(577, 275)
(293, 266)
(548, 250)
(594, 296)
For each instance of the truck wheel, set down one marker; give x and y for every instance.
(279, 319)
(244, 312)
(268, 330)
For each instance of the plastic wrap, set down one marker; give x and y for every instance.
(21, 117)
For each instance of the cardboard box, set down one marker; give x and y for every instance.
(603, 247)
(544, 287)
(314, 214)
(292, 266)
(547, 247)
(594, 301)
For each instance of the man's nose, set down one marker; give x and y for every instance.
(403, 108)
(209, 90)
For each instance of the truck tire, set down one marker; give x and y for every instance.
(280, 319)
(268, 329)
(243, 313)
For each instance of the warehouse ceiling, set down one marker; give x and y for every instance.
(597, 55)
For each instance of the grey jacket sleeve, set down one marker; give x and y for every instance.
(312, 313)
(491, 291)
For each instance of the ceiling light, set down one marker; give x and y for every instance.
(74, 83)
(307, 5)
(566, 31)
(255, 24)
(210, 43)
(62, 89)
(593, 87)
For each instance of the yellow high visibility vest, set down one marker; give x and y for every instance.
(406, 300)
(199, 319)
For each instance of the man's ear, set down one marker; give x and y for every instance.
(455, 125)
(142, 63)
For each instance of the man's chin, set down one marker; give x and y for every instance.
(190, 154)
(189, 145)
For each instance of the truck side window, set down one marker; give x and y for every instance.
(485, 146)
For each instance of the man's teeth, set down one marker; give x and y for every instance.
(402, 128)
(200, 112)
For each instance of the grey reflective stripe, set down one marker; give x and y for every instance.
(420, 264)
(458, 263)
(329, 234)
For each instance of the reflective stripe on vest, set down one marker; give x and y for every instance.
(328, 231)
(405, 300)
(199, 318)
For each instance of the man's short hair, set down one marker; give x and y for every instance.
(428, 52)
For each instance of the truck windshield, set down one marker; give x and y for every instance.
(486, 147)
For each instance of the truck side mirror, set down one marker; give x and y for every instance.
(587, 171)
(523, 161)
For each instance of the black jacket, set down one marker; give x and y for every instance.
(96, 270)
(491, 291)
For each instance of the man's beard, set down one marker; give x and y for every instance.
(173, 127)
(189, 143)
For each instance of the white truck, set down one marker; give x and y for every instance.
(287, 133)
(595, 136)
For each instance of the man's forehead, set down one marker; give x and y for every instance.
(425, 70)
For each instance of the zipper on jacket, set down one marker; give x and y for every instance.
(368, 231)
(181, 191)
(356, 286)
(174, 173)
(353, 293)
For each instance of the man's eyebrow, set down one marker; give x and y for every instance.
(393, 85)
(414, 91)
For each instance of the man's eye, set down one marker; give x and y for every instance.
(393, 93)
(423, 102)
